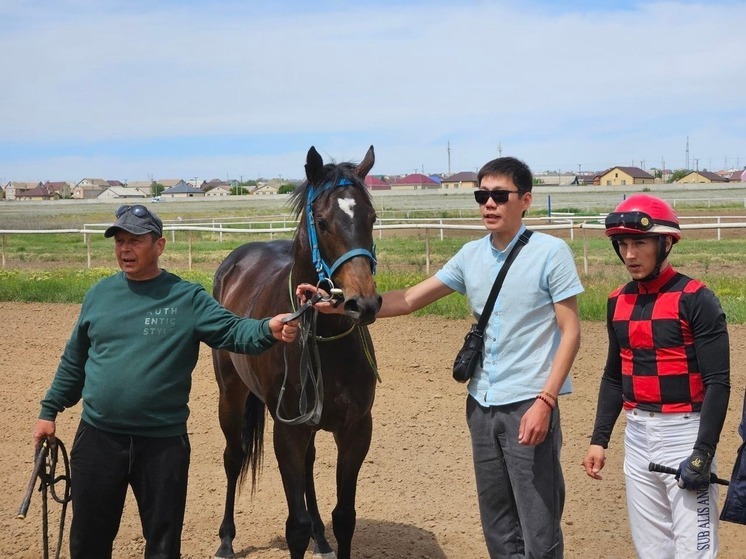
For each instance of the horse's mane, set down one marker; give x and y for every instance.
(332, 173)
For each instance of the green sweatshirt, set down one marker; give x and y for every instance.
(133, 350)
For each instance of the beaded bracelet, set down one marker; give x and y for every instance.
(545, 400)
(552, 396)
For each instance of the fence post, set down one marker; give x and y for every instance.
(427, 253)
(441, 230)
(190, 251)
(719, 228)
(3, 251)
(87, 238)
(585, 253)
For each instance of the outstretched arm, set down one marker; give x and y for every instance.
(395, 303)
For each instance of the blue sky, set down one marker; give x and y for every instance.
(131, 89)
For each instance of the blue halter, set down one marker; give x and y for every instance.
(324, 271)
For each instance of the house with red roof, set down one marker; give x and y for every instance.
(374, 183)
(415, 181)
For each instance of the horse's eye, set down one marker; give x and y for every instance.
(322, 225)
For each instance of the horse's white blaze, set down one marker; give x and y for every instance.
(347, 205)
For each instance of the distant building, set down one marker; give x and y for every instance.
(41, 192)
(116, 192)
(737, 176)
(214, 183)
(558, 179)
(621, 176)
(89, 188)
(701, 177)
(465, 180)
(415, 181)
(218, 191)
(15, 188)
(374, 183)
(181, 189)
(61, 188)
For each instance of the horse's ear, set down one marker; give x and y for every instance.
(366, 164)
(314, 166)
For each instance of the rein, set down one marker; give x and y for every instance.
(45, 464)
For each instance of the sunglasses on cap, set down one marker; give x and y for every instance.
(138, 210)
(638, 221)
(498, 196)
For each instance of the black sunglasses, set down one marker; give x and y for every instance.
(498, 196)
(638, 221)
(138, 210)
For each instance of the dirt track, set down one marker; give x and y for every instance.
(416, 496)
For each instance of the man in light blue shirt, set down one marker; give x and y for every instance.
(530, 343)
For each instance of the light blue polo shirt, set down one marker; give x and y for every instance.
(522, 335)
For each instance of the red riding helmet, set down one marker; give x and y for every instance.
(642, 214)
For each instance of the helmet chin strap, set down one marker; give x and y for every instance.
(663, 253)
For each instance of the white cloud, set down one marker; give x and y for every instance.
(555, 88)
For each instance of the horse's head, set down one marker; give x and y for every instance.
(335, 234)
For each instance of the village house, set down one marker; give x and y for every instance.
(415, 181)
(374, 183)
(14, 188)
(701, 177)
(465, 180)
(622, 176)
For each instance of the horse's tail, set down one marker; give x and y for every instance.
(252, 438)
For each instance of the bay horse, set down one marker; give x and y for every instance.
(333, 245)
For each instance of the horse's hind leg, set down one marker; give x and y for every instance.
(352, 447)
(233, 393)
(321, 547)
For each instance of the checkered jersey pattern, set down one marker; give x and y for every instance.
(660, 371)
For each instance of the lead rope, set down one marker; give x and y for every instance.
(47, 481)
(309, 371)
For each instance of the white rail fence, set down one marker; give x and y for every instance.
(559, 223)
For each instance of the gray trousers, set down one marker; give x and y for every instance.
(521, 489)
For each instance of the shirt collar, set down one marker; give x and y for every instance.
(504, 253)
(655, 285)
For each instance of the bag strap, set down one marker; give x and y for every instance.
(522, 240)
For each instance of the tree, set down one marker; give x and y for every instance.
(156, 189)
(678, 174)
(239, 190)
(286, 188)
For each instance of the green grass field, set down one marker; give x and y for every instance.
(52, 268)
(60, 267)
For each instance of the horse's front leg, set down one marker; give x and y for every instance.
(291, 444)
(352, 447)
(321, 547)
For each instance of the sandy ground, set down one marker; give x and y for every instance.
(416, 495)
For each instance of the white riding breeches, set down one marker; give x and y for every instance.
(667, 522)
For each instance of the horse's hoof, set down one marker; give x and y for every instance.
(330, 555)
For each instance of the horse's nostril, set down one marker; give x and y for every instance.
(351, 305)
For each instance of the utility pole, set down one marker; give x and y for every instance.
(687, 153)
(499, 149)
(449, 158)
(579, 165)
(696, 163)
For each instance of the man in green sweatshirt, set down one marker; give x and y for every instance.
(130, 358)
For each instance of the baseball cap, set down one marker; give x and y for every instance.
(137, 220)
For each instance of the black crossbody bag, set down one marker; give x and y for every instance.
(470, 354)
